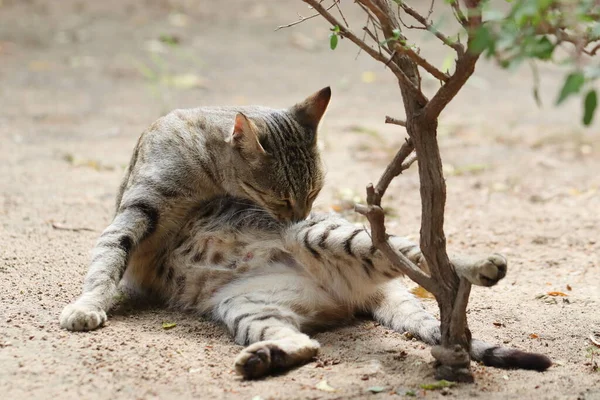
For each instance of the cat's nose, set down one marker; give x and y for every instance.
(299, 214)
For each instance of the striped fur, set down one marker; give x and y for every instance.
(190, 156)
(271, 283)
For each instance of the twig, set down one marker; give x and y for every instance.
(395, 168)
(395, 121)
(376, 39)
(302, 19)
(391, 58)
(422, 62)
(458, 14)
(62, 227)
(414, 90)
(594, 341)
(430, 9)
(423, 21)
(336, 3)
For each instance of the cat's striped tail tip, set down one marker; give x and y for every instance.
(515, 359)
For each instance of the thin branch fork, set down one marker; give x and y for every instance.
(414, 90)
(421, 62)
(376, 217)
(427, 25)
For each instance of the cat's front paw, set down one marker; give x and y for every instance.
(81, 318)
(491, 270)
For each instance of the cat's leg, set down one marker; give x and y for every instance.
(336, 251)
(479, 271)
(136, 219)
(399, 310)
(271, 331)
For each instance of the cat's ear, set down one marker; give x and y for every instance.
(310, 111)
(244, 137)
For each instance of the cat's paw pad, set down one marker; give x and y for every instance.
(491, 270)
(258, 360)
(81, 318)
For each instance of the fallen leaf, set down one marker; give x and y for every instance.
(376, 389)
(169, 325)
(422, 293)
(594, 341)
(534, 336)
(324, 386)
(499, 324)
(555, 294)
(437, 385)
(569, 287)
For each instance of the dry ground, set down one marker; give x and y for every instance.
(79, 82)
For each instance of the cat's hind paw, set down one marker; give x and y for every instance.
(76, 317)
(264, 358)
(490, 270)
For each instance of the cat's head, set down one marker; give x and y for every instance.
(276, 157)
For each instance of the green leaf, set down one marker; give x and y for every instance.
(437, 385)
(589, 107)
(333, 40)
(483, 41)
(169, 325)
(376, 389)
(572, 85)
(542, 48)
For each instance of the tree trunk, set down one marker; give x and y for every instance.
(453, 293)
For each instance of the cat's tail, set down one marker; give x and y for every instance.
(504, 357)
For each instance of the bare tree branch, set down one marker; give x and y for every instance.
(465, 66)
(416, 92)
(302, 19)
(395, 168)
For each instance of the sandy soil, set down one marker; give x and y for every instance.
(81, 80)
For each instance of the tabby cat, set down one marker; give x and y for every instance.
(266, 155)
(211, 217)
(270, 283)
